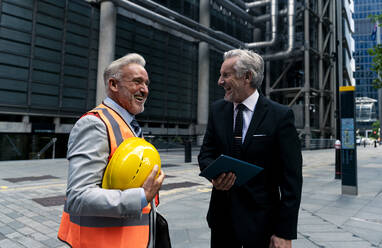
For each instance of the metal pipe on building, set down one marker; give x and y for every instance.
(236, 10)
(240, 3)
(189, 22)
(106, 45)
(291, 35)
(266, 17)
(257, 4)
(173, 24)
(274, 14)
(210, 32)
(204, 37)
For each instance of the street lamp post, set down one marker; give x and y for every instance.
(379, 90)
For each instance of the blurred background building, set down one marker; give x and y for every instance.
(50, 52)
(366, 115)
(365, 37)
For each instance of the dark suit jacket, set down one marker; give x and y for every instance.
(269, 203)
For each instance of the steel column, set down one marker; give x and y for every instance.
(107, 27)
(307, 130)
(320, 71)
(204, 74)
(333, 83)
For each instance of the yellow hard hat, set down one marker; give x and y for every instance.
(131, 164)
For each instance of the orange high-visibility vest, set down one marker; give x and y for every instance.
(92, 231)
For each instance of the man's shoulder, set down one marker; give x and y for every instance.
(275, 105)
(88, 121)
(220, 104)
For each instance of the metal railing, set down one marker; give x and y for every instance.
(318, 144)
(52, 142)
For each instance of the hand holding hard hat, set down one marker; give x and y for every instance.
(131, 164)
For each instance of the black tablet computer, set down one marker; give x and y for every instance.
(244, 171)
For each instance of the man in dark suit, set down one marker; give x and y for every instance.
(264, 211)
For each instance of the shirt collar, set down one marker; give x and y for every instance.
(127, 117)
(250, 102)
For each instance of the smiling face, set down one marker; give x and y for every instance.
(132, 90)
(237, 89)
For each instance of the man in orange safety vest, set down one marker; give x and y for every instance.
(93, 216)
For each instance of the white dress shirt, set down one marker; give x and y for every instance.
(250, 104)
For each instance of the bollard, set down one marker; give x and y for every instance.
(337, 146)
(187, 151)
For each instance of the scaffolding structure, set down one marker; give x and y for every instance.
(53, 52)
(305, 44)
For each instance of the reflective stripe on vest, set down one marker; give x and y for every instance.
(94, 232)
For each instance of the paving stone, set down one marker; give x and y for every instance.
(374, 237)
(13, 215)
(5, 210)
(29, 242)
(348, 244)
(16, 224)
(326, 216)
(179, 236)
(38, 218)
(367, 224)
(6, 230)
(5, 219)
(317, 228)
(49, 223)
(304, 243)
(26, 230)
(38, 236)
(52, 242)
(333, 218)
(14, 235)
(332, 236)
(6, 243)
(35, 225)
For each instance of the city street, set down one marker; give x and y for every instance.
(32, 193)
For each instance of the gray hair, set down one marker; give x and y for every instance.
(114, 70)
(248, 61)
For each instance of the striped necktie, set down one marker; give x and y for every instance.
(137, 129)
(238, 132)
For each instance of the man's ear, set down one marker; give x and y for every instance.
(112, 83)
(248, 76)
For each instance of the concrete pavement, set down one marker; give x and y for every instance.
(31, 197)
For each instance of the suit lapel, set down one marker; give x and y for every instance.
(259, 114)
(227, 121)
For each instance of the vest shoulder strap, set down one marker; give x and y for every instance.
(118, 130)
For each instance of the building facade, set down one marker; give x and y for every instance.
(365, 38)
(51, 51)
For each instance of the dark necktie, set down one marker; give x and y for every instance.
(136, 127)
(238, 132)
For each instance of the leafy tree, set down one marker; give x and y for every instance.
(375, 132)
(376, 52)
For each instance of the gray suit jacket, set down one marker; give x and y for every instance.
(88, 152)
